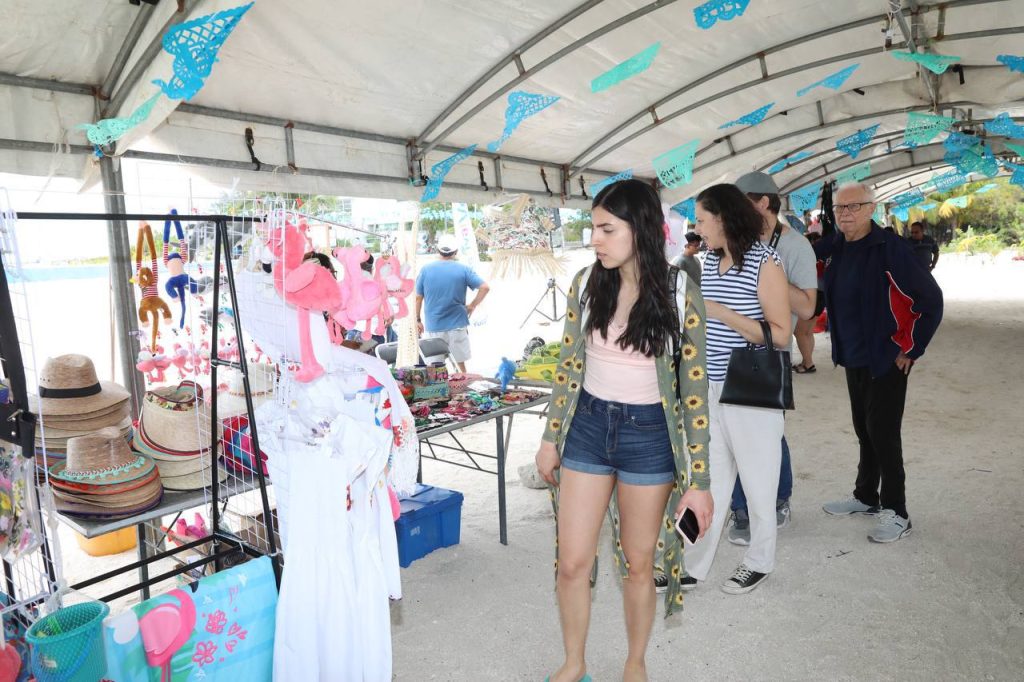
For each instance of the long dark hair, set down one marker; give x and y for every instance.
(740, 220)
(653, 317)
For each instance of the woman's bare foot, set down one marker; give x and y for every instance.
(635, 672)
(570, 673)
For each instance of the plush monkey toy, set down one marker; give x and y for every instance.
(151, 306)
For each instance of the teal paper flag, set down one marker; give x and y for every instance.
(675, 167)
(636, 64)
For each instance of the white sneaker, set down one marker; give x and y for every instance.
(850, 505)
(891, 527)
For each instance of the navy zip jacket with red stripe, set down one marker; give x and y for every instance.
(902, 304)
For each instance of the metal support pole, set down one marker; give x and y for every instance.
(125, 321)
(502, 529)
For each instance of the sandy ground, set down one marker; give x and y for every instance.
(946, 603)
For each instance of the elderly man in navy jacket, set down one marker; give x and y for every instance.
(884, 308)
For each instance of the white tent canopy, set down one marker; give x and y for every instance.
(361, 99)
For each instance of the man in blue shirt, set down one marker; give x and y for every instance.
(441, 309)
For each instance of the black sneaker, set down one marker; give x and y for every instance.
(688, 583)
(660, 583)
(743, 580)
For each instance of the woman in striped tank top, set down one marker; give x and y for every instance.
(743, 282)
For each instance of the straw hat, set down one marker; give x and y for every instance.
(68, 385)
(75, 488)
(196, 480)
(174, 420)
(101, 458)
(231, 403)
(99, 513)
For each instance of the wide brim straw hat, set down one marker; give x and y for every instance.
(162, 457)
(196, 480)
(175, 420)
(111, 416)
(101, 458)
(92, 511)
(56, 435)
(127, 498)
(68, 385)
(231, 403)
(75, 488)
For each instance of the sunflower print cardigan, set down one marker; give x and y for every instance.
(687, 419)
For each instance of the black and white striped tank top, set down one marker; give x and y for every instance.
(736, 289)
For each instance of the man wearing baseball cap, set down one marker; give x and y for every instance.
(441, 309)
(801, 270)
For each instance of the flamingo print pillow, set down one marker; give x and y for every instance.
(219, 628)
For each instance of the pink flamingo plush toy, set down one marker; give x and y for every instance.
(305, 284)
(362, 298)
(392, 285)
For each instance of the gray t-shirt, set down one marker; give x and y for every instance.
(798, 259)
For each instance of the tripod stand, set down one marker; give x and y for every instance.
(554, 290)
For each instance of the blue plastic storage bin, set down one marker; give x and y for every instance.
(431, 518)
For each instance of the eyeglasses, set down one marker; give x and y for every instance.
(852, 208)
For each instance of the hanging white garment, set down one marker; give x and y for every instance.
(333, 618)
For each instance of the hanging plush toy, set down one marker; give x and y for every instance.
(151, 306)
(393, 285)
(305, 284)
(175, 264)
(362, 296)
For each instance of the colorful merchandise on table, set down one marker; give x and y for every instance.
(174, 429)
(506, 372)
(542, 363)
(219, 628)
(19, 518)
(102, 478)
(466, 406)
(74, 402)
(426, 382)
(151, 307)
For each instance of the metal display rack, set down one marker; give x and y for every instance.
(32, 577)
(221, 543)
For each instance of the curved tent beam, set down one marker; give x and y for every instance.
(809, 176)
(525, 74)
(832, 124)
(971, 35)
(805, 146)
(514, 57)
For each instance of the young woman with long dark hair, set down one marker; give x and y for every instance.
(743, 282)
(617, 434)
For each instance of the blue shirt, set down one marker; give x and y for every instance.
(443, 287)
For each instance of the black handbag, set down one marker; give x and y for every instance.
(759, 377)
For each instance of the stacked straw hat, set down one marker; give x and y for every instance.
(73, 402)
(231, 403)
(102, 478)
(174, 429)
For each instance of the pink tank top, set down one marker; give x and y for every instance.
(616, 375)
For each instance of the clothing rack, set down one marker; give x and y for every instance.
(223, 543)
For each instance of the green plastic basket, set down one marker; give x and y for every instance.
(67, 645)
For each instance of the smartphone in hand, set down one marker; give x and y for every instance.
(687, 526)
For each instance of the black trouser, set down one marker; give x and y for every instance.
(877, 407)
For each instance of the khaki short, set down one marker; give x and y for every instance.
(457, 340)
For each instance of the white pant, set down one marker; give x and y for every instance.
(747, 439)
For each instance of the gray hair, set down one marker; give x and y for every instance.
(863, 187)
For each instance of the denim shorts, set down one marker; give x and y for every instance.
(630, 442)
